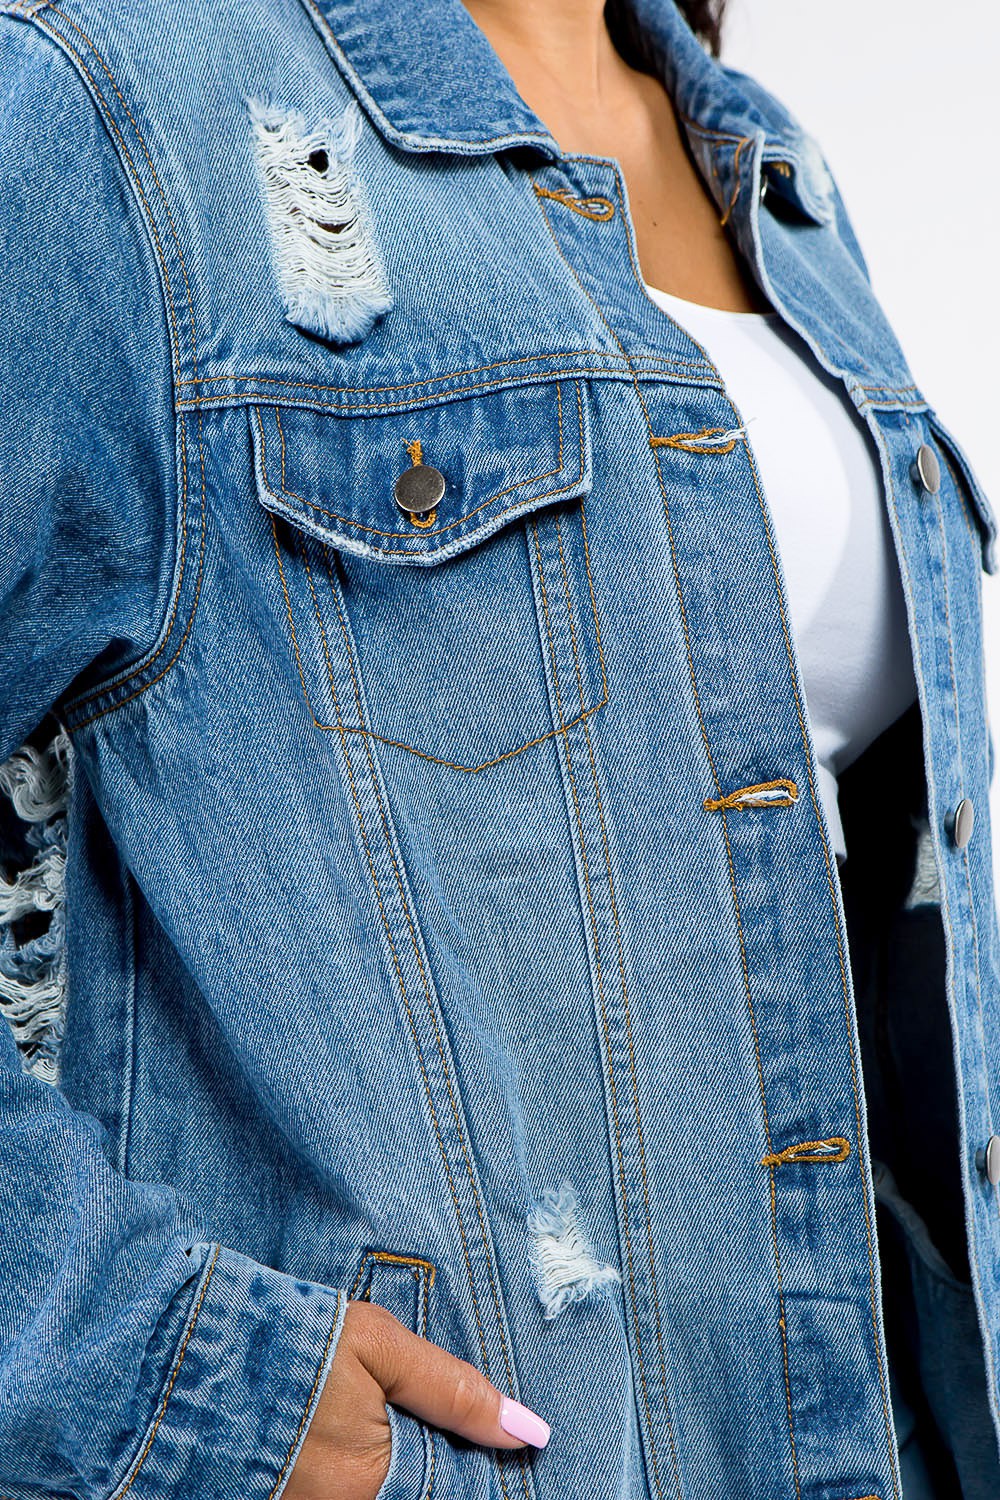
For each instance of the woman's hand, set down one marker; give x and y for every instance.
(346, 1452)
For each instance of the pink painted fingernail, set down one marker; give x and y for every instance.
(522, 1423)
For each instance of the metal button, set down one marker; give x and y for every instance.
(764, 185)
(418, 490)
(988, 1161)
(926, 469)
(961, 822)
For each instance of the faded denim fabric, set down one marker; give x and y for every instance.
(450, 913)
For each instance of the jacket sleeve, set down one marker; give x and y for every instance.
(137, 1355)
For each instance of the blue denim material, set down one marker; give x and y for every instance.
(402, 884)
(937, 1380)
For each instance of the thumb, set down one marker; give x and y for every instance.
(445, 1391)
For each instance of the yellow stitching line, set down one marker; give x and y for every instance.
(387, 927)
(361, 729)
(438, 1038)
(602, 999)
(626, 1005)
(387, 836)
(385, 1256)
(173, 1376)
(415, 452)
(409, 385)
(747, 796)
(351, 409)
(736, 176)
(281, 435)
(138, 692)
(399, 974)
(308, 1405)
(840, 950)
(74, 706)
(454, 765)
(692, 442)
(732, 878)
(722, 135)
(834, 1148)
(577, 204)
(415, 552)
(844, 983)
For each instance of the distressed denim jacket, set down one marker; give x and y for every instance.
(417, 771)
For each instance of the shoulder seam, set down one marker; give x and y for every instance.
(164, 616)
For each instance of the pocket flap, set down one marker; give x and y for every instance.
(500, 454)
(958, 461)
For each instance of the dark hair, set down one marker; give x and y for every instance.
(703, 16)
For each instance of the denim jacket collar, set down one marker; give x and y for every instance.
(431, 81)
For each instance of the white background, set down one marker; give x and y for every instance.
(900, 95)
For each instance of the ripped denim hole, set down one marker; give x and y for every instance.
(562, 1260)
(38, 784)
(326, 259)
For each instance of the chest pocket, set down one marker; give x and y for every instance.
(466, 630)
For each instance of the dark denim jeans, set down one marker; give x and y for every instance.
(947, 1447)
(946, 1435)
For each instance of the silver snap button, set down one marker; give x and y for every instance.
(988, 1161)
(927, 469)
(418, 490)
(961, 823)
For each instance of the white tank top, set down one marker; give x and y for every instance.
(823, 489)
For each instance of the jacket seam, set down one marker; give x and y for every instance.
(309, 1400)
(946, 909)
(349, 408)
(679, 593)
(192, 1320)
(841, 961)
(407, 385)
(599, 973)
(600, 982)
(939, 518)
(623, 982)
(413, 1029)
(146, 661)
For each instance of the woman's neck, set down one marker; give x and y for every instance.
(559, 54)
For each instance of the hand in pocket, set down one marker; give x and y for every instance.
(347, 1448)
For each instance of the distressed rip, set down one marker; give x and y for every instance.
(563, 1262)
(33, 961)
(326, 259)
(925, 889)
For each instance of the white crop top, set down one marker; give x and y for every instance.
(822, 484)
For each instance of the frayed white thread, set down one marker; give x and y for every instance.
(722, 438)
(33, 970)
(776, 794)
(563, 1263)
(325, 255)
(926, 887)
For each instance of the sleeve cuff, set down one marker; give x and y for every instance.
(243, 1385)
